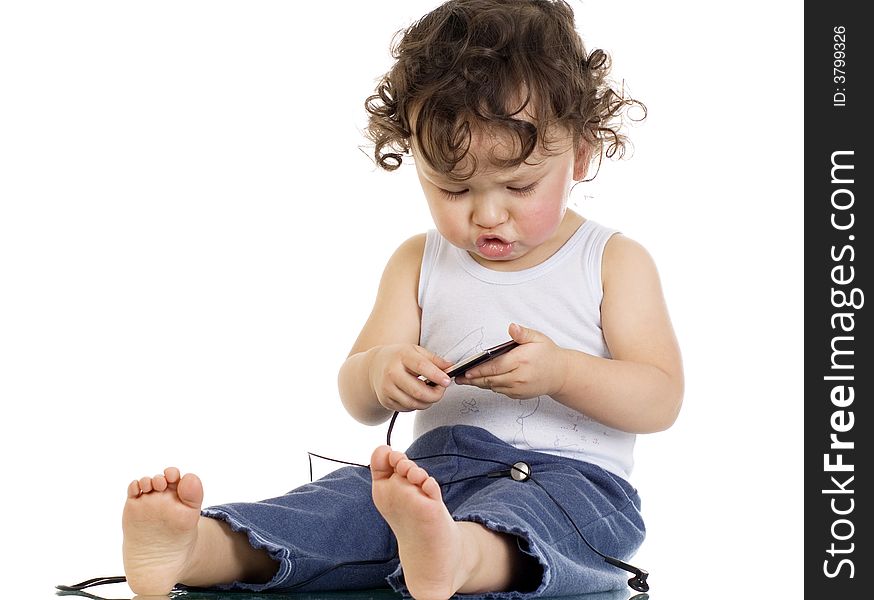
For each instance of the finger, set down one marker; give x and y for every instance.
(496, 383)
(443, 380)
(525, 335)
(441, 362)
(480, 382)
(420, 392)
(404, 405)
(477, 382)
(399, 400)
(491, 368)
(425, 364)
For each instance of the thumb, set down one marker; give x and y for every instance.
(524, 335)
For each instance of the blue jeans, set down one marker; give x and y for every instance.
(328, 535)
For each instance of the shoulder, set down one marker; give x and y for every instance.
(395, 314)
(624, 257)
(628, 268)
(406, 261)
(409, 253)
(414, 245)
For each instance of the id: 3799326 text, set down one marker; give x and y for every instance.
(839, 71)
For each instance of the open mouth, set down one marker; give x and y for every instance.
(493, 246)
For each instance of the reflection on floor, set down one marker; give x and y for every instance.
(377, 594)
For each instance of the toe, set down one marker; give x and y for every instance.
(159, 483)
(146, 484)
(432, 489)
(172, 474)
(395, 457)
(404, 466)
(133, 490)
(379, 463)
(417, 475)
(190, 490)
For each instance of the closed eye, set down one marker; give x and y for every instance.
(524, 191)
(450, 194)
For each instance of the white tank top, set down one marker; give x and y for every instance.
(467, 308)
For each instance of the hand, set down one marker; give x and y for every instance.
(536, 367)
(394, 377)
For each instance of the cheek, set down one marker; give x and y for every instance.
(540, 223)
(540, 219)
(447, 222)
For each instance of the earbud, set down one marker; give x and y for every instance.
(638, 582)
(520, 471)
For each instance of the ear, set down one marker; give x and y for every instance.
(582, 160)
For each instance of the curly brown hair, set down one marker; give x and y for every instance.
(484, 64)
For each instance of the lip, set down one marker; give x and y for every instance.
(494, 247)
(484, 239)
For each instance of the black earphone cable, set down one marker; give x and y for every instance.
(391, 426)
(77, 589)
(523, 473)
(638, 582)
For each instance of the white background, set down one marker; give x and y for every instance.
(191, 238)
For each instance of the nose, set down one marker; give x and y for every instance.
(489, 211)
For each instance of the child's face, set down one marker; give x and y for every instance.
(507, 219)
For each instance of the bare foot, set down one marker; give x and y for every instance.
(431, 545)
(160, 530)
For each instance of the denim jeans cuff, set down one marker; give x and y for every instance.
(526, 545)
(258, 540)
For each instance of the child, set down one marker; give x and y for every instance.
(502, 110)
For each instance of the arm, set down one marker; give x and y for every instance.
(381, 372)
(639, 389)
